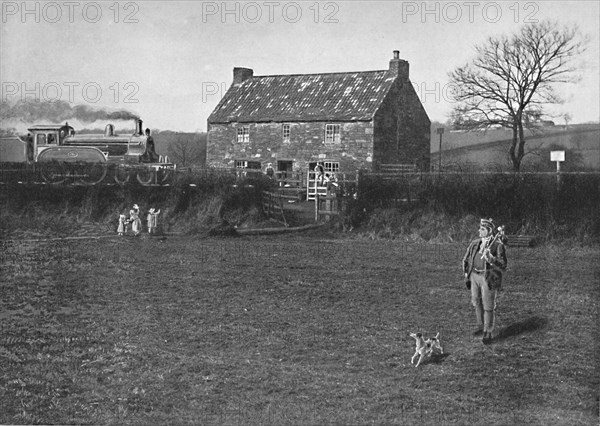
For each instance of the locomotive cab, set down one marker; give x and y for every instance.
(39, 139)
(50, 142)
(44, 137)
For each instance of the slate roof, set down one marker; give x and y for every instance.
(350, 96)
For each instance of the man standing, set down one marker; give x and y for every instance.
(483, 264)
(29, 147)
(319, 170)
(150, 153)
(270, 171)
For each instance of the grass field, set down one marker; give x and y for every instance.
(293, 329)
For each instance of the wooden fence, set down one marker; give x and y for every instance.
(321, 184)
(326, 206)
(272, 204)
(397, 169)
(291, 184)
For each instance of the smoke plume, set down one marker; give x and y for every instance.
(58, 111)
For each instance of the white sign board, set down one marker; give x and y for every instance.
(557, 156)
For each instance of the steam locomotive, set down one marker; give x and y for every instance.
(62, 156)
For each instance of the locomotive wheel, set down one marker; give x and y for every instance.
(53, 172)
(121, 175)
(146, 176)
(93, 173)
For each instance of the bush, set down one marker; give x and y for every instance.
(195, 200)
(526, 203)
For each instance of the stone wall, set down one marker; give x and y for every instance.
(306, 145)
(402, 129)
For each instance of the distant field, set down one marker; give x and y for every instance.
(290, 329)
(580, 142)
(452, 139)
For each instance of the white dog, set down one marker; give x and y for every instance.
(424, 347)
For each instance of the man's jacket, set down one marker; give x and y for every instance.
(492, 271)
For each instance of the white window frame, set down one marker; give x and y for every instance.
(243, 134)
(285, 132)
(333, 133)
(331, 166)
(248, 164)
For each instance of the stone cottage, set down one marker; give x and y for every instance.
(344, 121)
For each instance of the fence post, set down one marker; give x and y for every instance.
(328, 205)
(316, 207)
(268, 204)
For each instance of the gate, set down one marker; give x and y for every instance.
(272, 205)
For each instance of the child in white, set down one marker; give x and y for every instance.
(134, 217)
(149, 220)
(154, 220)
(122, 224)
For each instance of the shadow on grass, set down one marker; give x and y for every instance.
(527, 325)
(435, 358)
(438, 358)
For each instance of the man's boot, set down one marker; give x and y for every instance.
(479, 318)
(488, 326)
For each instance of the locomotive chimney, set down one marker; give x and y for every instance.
(109, 130)
(138, 126)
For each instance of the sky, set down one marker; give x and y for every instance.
(170, 62)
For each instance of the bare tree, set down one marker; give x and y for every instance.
(512, 77)
(187, 150)
(567, 117)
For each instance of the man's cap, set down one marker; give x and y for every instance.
(487, 223)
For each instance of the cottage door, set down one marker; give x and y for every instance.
(285, 167)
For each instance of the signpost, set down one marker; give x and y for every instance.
(559, 157)
(440, 131)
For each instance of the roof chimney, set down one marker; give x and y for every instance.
(399, 67)
(242, 74)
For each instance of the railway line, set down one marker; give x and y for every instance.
(70, 173)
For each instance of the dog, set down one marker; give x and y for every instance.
(424, 347)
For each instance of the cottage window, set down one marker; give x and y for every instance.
(245, 164)
(243, 134)
(332, 133)
(331, 166)
(285, 129)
